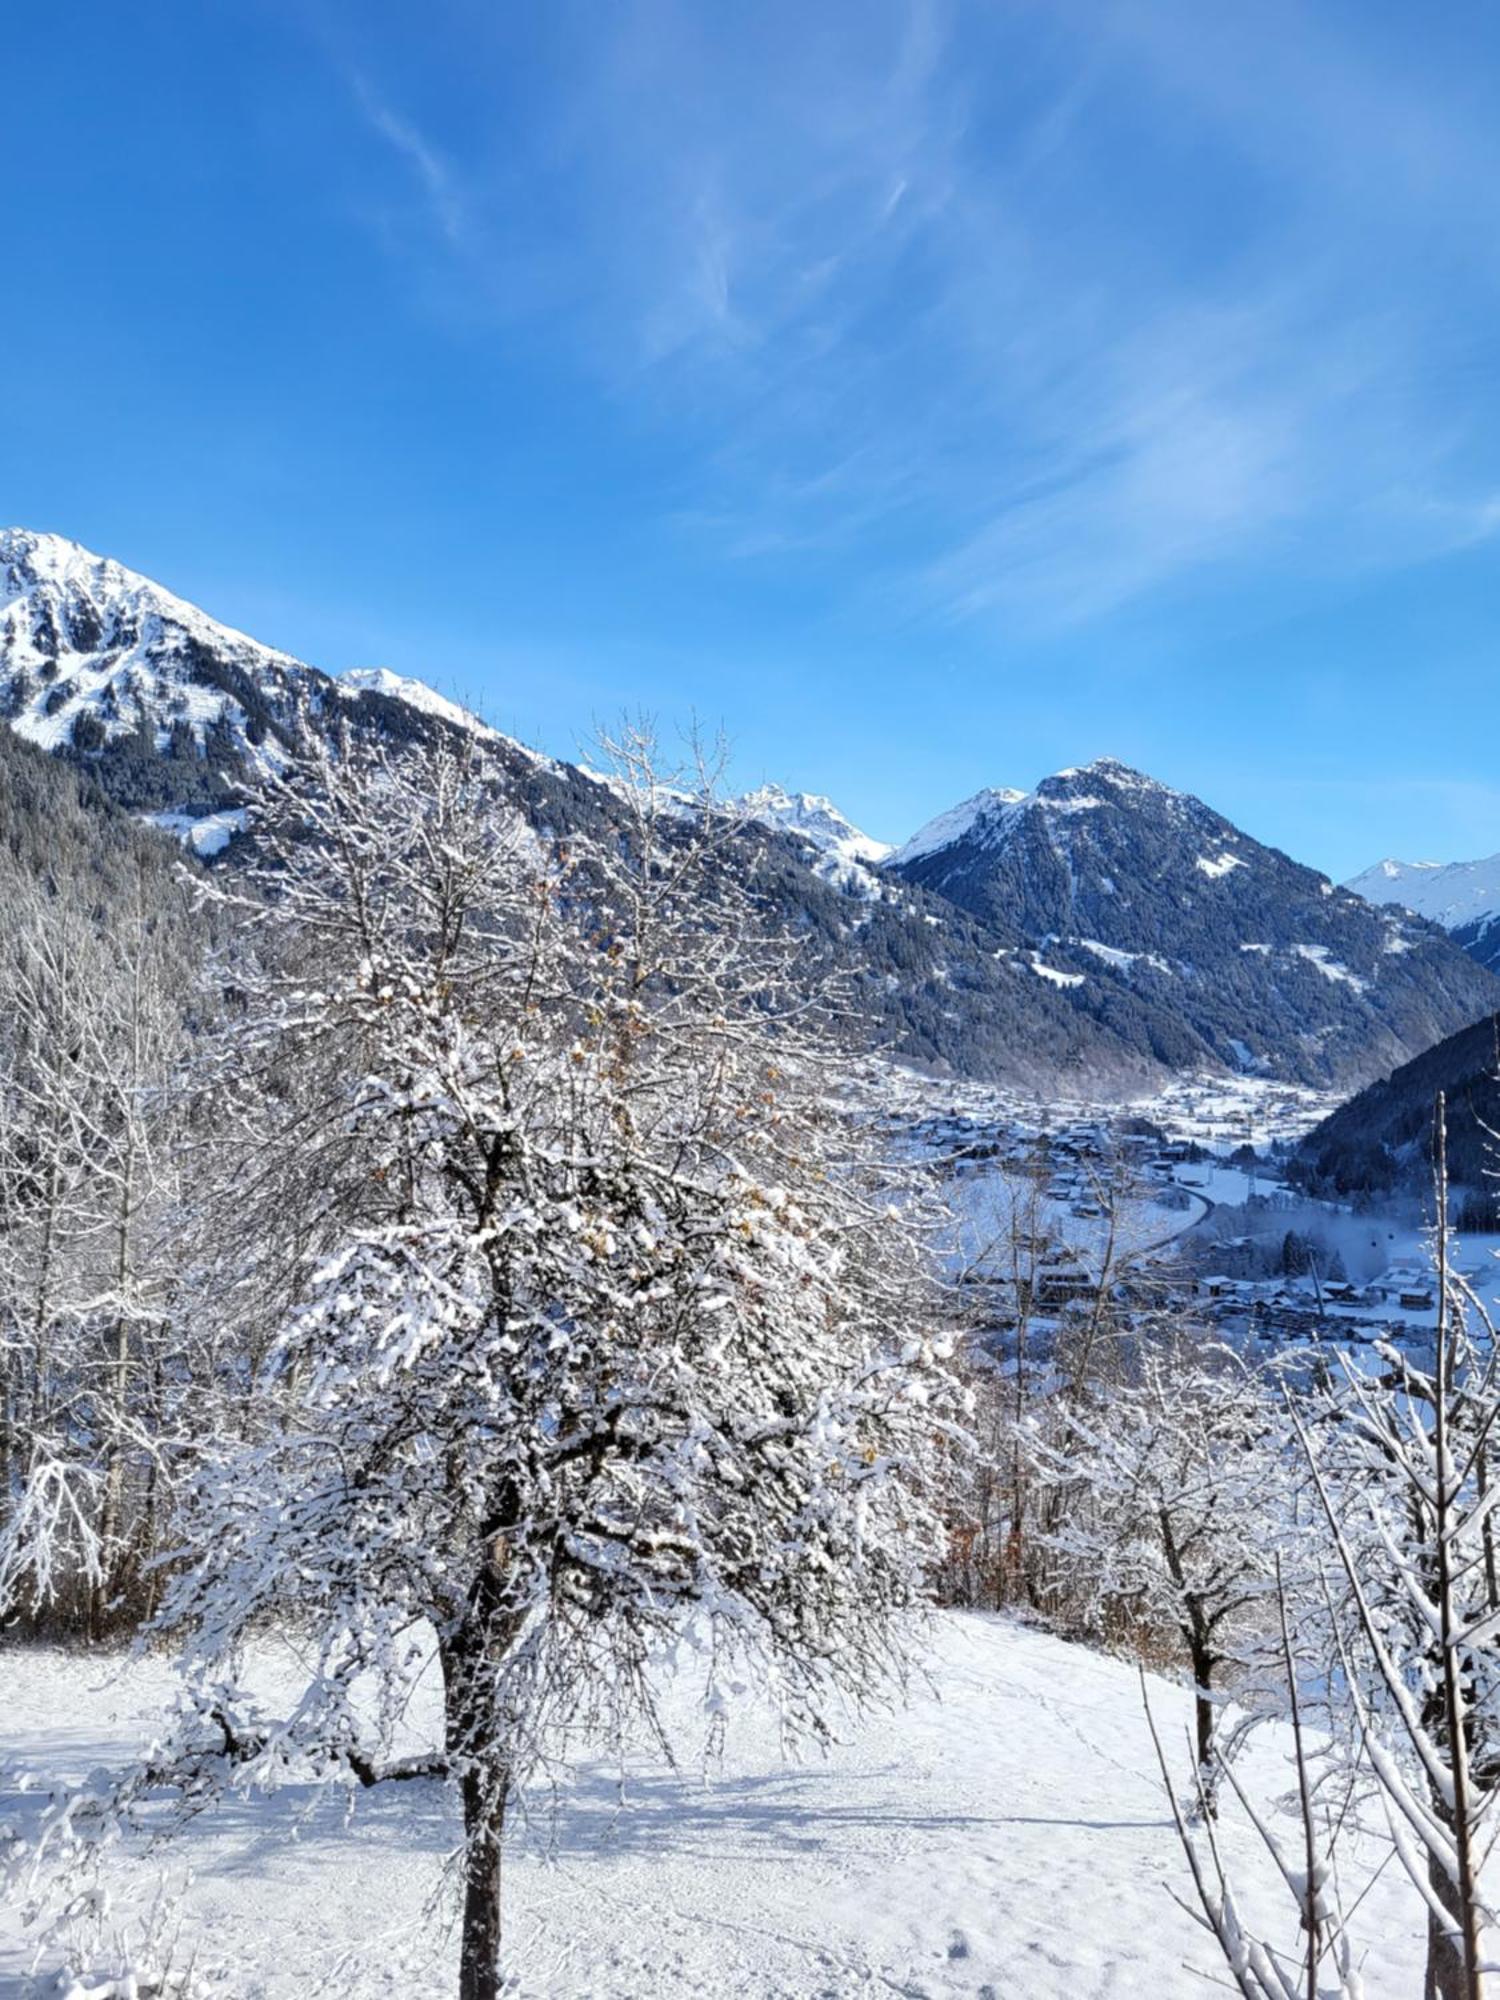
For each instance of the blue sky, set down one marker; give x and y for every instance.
(933, 393)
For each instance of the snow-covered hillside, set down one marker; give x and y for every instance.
(1449, 893)
(92, 653)
(182, 717)
(983, 816)
(416, 694)
(1005, 1837)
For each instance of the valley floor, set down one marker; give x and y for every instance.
(1003, 1837)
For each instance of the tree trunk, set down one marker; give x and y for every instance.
(1203, 1729)
(1203, 1717)
(1446, 1978)
(484, 1826)
(1196, 1629)
(477, 1742)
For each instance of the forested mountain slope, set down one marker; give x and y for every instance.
(1103, 871)
(63, 834)
(1382, 1138)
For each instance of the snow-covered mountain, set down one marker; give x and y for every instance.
(177, 714)
(845, 854)
(104, 663)
(179, 718)
(1115, 879)
(979, 818)
(1101, 928)
(1449, 893)
(1462, 896)
(416, 694)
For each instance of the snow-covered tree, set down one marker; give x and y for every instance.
(1403, 1463)
(1033, 1367)
(586, 1325)
(1178, 1502)
(1319, 1960)
(88, 1053)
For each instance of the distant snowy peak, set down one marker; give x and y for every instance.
(817, 819)
(1453, 893)
(840, 853)
(976, 818)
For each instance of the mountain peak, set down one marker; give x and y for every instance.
(59, 598)
(1109, 771)
(1120, 886)
(176, 711)
(987, 816)
(960, 822)
(816, 819)
(41, 551)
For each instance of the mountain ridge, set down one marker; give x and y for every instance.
(995, 942)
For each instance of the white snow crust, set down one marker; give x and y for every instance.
(1215, 865)
(1320, 956)
(206, 834)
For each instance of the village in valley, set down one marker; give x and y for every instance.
(1182, 1198)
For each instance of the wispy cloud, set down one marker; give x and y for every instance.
(1040, 310)
(443, 195)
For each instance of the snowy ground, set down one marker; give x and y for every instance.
(985, 1200)
(1002, 1838)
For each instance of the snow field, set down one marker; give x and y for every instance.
(1002, 1837)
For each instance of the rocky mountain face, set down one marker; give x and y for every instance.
(1114, 880)
(1092, 934)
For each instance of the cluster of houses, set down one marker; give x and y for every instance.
(1076, 1166)
(1403, 1286)
(1394, 1306)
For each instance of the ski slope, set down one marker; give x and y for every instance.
(1003, 1837)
